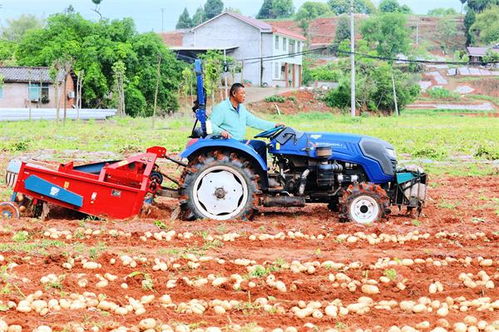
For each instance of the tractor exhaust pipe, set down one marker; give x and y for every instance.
(283, 201)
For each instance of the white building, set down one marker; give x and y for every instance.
(270, 56)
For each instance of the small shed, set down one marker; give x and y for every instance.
(25, 87)
(476, 54)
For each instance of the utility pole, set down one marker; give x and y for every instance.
(158, 76)
(395, 96)
(352, 58)
(417, 31)
(225, 73)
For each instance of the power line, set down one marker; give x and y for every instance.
(434, 62)
(253, 60)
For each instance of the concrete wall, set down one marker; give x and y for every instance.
(15, 95)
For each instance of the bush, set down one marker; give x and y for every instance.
(275, 99)
(322, 73)
(429, 152)
(442, 93)
(486, 152)
(374, 90)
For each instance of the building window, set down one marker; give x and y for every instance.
(277, 70)
(37, 92)
(276, 42)
(298, 46)
(284, 42)
(291, 46)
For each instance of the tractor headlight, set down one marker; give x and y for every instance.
(391, 153)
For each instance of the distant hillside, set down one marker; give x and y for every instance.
(323, 30)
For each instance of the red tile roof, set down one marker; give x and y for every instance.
(286, 32)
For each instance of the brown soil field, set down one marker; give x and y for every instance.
(287, 268)
(297, 101)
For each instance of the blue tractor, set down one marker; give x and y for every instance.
(356, 175)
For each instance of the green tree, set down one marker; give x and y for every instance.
(469, 19)
(393, 6)
(491, 56)
(198, 17)
(387, 33)
(309, 11)
(96, 47)
(473, 8)
(373, 87)
(213, 69)
(276, 9)
(266, 10)
(16, 28)
(282, 8)
(447, 34)
(97, 7)
(360, 6)
(184, 20)
(7, 53)
(233, 10)
(485, 29)
(442, 12)
(480, 5)
(342, 30)
(212, 8)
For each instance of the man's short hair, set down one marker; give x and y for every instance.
(234, 88)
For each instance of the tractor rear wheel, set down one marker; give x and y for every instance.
(220, 186)
(364, 203)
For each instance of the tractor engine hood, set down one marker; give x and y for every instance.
(370, 152)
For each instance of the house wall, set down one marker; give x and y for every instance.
(267, 64)
(227, 31)
(15, 95)
(281, 46)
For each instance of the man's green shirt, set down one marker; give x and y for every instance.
(226, 117)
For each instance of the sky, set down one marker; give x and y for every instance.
(155, 15)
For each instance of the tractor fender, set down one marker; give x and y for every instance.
(230, 144)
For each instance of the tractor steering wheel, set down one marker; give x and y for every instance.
(271, 132)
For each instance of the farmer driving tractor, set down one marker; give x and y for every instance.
(230, 118)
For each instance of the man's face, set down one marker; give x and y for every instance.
(240, 95)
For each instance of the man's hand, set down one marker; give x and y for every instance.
(225, 134)
(279, 124)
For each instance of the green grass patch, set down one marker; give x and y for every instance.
(275, 99)
(35, 247)
(493, 99)
(416, 134)
(469, 79)
(442, 93)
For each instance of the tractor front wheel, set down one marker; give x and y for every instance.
(364, 203)
(219, 186)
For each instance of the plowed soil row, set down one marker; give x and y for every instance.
(458, 232)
